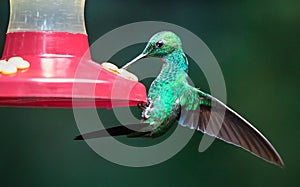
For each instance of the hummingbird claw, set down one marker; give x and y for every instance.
(142, 106)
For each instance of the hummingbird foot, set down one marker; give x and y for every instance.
(145, 113)
(142, 106)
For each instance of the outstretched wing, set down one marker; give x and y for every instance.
(114, 131)
(228, 126)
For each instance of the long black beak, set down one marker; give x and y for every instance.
(134, 60)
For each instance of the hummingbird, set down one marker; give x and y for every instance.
(171, 98)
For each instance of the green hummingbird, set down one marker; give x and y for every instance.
(171, 98)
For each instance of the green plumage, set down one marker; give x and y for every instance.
(172, 99)
(170, 88)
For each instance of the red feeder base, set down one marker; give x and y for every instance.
(62, 74)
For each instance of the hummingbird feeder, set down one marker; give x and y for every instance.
(46, 43)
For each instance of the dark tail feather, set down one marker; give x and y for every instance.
(113, 131)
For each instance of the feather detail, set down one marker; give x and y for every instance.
(113, 131)
(228, 126)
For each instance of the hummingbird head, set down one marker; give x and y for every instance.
(159, 45)
(162, 43)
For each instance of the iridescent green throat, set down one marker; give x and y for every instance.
(175, 64)
(172, 74)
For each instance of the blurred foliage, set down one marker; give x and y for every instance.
(257, 46)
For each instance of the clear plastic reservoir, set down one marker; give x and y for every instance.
(47, 15)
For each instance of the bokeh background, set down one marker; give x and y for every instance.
(257, 46)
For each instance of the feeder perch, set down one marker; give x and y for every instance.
(46, 61)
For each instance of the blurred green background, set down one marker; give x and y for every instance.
(257, 46)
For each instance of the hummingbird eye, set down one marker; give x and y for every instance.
(159, 44)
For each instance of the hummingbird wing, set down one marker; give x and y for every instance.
(214, 118)
(114, 131)
(143, 129)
